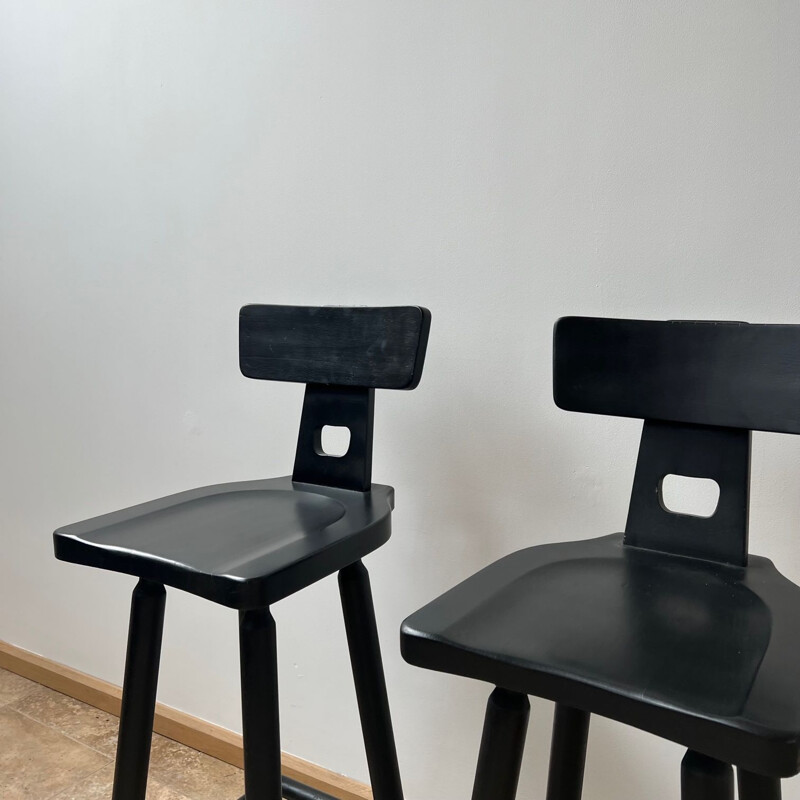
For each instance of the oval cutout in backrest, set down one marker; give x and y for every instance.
(696, 497)
(334, 440)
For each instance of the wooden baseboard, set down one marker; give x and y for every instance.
(191, 731)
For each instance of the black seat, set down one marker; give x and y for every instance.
(670, 627)
(246, 545)
(243, 545)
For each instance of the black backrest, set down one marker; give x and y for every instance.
(342, 355)
(729, 374)
(378, 348)
(701, 387)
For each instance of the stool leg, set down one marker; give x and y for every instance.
(139, 691)
(373, 701)
(757, 787)
(704, 778)
(567, 753)
(258, 653)
(502, 744)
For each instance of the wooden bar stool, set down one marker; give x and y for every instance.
(247, 545)
(671, 626)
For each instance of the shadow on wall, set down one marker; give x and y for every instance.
(502, 479)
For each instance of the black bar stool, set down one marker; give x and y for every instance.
(247, 545)
(671, 626)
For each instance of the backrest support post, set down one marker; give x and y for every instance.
(350, 407)
(696, 451)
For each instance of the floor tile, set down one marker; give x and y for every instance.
(13, 687)
(198, 776)
(100, 785)
(52, 746)
(36, 762)
(81, 722)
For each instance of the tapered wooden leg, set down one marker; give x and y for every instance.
(704, 778)
(757, 787)
(502, 745)
(373, 701)
(139, 691)
(567, 753)
(260, 720)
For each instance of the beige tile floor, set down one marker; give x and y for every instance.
(55, 748)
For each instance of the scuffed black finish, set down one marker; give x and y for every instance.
(671, 627)
(380, 348)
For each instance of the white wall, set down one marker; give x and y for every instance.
(162, 163)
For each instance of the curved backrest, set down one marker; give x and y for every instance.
(701, 387)
(729, 374)
(378, 348)
(342, 355)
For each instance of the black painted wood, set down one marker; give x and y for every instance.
(350, 407)
(505, 728)
(757, 787)
(688, 649)
(367, 664)
(729, 374)
(139, 691)
(671, 627)
(258, 662)
(704, 778)
(567, 753)
(243, 545)
(722, 454)
(379, 348)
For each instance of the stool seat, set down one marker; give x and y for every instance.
(695, 651)
(243, 545)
